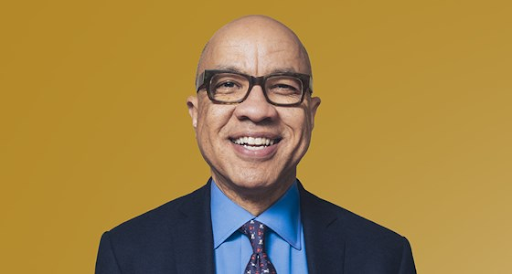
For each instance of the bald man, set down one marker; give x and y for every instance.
(253, 116)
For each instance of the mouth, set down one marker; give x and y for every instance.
(255, 143)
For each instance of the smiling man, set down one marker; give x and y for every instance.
(253, 116)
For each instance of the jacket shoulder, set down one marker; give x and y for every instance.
(159, 217)
(158, 240)
(367, 246)
(152, 232)
(351, 223)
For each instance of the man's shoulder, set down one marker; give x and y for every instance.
(153, 239)
(351, 226)
(365, 246)
(161, 219)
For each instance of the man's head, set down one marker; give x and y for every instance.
(253, 147)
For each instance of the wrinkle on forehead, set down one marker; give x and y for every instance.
(254, 38)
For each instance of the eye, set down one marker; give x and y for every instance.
(284, 85)
(284, 89)
(227, 85)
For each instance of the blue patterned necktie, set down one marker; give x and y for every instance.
(259, 262)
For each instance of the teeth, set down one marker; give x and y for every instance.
(253, 142)
(254, 148)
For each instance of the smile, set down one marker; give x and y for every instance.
(255, 143)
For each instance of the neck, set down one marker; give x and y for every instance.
(254, 199)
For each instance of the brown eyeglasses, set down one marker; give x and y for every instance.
(280, 89)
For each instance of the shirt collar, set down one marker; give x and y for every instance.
(283, 217)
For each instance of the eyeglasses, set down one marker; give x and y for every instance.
(280, 89)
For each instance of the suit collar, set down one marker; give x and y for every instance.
(321, 230)
(192, 234)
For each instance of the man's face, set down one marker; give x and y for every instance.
(254, 144)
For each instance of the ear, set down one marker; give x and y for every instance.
(315, 103)
(192, 109)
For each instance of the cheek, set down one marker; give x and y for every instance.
(297, 120)
(212, 119)
(203, 125)
(206, 114)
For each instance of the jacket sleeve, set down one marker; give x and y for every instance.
(106, 263)
(407, 263)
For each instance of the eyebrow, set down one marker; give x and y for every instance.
(274, 71)
(230, 69)
(283, 70)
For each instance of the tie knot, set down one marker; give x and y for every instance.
(256, 233)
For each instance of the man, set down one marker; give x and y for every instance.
(253, 117)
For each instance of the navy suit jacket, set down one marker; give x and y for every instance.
(177, 238)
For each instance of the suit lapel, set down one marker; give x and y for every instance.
(325, 246)
(193, 236)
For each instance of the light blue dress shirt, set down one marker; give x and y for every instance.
(285, 239)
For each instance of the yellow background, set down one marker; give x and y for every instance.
(414, 131)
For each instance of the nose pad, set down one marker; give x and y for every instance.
(256, 91)
(256, 107)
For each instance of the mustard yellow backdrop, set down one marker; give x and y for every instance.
(414, 131)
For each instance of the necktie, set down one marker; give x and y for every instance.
(259, 262)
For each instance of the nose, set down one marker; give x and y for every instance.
(255, 107)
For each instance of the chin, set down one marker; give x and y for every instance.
(246, 180)
(254, 183)
(252, 177)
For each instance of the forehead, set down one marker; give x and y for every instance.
(255, 54)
